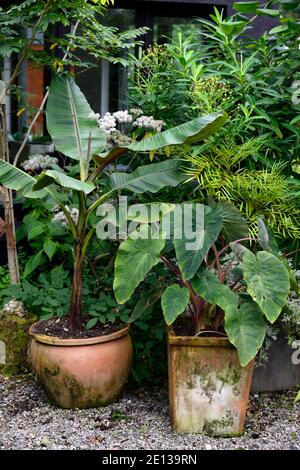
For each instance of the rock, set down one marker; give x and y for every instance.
(14, 340)
(45, 442)
(14, 307)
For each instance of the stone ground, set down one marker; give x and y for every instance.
(139, 420)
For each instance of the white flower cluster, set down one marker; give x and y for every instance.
(36, 163)
(95, 116)
(148, 122)
(136, 112)
(62, 219)
(123, 116)
(108, 123)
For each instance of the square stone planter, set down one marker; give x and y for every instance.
(208, 388)
(281, 371)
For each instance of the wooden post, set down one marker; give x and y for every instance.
(7, 196)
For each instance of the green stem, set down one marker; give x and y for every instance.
(113, 155)
(82, 212)
(87, 240)
(66, 212)
(99, 201)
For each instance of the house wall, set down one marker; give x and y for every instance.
(197, 7)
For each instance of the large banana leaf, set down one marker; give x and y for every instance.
(135, 258)
(174, 302)
(190, 132)
(18, 180)
(207, 229)
(51, 176)
(68, 121)
(150, 178)
(246, 329)
(267, 282)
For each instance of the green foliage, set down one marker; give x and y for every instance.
(250, 161)
(41, 17)
(207, 286)
(48, 296)
(190, 132)
(44, 238)
(267, 282)
(18, 180)
(149, 347)
(57, 177)
(77, 135)
(149, 178)
(174, 301)
(4, 277)
(215, 298)
(190, 255)
(246, 329)
(218, 170)
(144, 254)
(259, 73)
(155, 87)
(73, 131)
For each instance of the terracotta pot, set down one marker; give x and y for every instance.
(208, 388)
(82, 373)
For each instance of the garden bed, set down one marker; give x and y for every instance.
(140, 420)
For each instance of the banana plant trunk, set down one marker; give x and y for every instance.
(76, 296)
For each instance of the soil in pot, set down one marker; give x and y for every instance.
(59, 327)
(82, 370)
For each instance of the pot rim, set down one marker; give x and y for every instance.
(56, 341)
(211, 341)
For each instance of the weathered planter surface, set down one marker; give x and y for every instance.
(82, 373)
(208, 388)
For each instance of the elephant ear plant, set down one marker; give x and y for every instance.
(76, 134)
(214, 293)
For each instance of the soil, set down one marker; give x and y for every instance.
(183, 326)
(59, 327)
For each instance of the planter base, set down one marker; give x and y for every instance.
(208, 388)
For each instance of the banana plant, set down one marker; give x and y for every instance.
(77, 135)
(236, 298)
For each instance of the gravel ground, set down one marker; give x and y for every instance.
(139, 420)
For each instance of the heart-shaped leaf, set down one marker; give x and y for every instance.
(174, 301)
(267, 282)
(246, 330)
